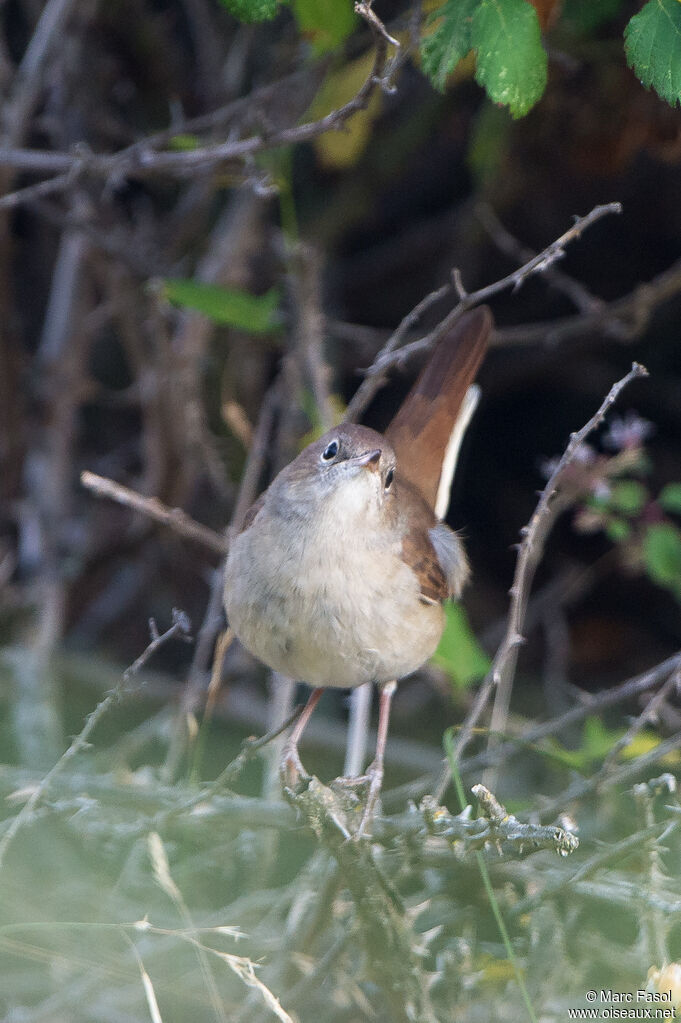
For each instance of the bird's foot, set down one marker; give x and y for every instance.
(291, 770)
(359, 781)
(374, 777)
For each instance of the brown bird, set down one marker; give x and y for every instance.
(340, 571)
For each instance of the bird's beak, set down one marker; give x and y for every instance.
(368, 458)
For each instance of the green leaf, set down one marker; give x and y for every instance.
(511, 59)
(459, 653)
(662, 555)
(184, 142)
(252, 10)
(325, 23)
(597, 741)
(448, 40)
(617, 530)
(234, 308)
(652, 41)
(628, 496)
(670, 498)
(490, 143)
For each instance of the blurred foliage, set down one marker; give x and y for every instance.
(122, 893)
(625, 509)
(340, 150)
(258, 314)
(252, 10)
(662, 555)
(324, 23)
(597, 741)
(459, 652)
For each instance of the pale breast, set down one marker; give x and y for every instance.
(337, 614)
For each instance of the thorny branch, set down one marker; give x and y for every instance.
(534, 537)
(499, 827)
(392, 355)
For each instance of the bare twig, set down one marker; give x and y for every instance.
(257, 453)
(647, 715)
(181, 627)
(504, 240)
(46, 37)
(306, 289)
(531, 548)
(249, 749)
(533, 539)
(143, 160)
(590, 704)
(390, 357)
(175, 518)
(371, 384)
(623, 319)
(618, 775)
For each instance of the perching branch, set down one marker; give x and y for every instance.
(496, 827)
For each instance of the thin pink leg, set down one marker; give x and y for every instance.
(291, 767)
(375, 772)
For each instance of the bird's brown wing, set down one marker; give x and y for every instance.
(431, 549)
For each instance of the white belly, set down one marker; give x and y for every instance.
(351, 616)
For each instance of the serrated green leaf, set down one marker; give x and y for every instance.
(652, 41)
(628, 496)
(662, 555)
(255, 313)
(252, 10)
(511, 61)
(459, 653)
(447, 39)
(670, 498)
(325, 23)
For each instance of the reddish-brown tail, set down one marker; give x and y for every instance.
(422, 427)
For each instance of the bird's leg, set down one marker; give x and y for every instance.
(291, 767)
(374, 773)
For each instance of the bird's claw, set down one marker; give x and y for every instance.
(291, 769)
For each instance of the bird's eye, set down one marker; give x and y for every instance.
(330, 451)
(390, 476)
